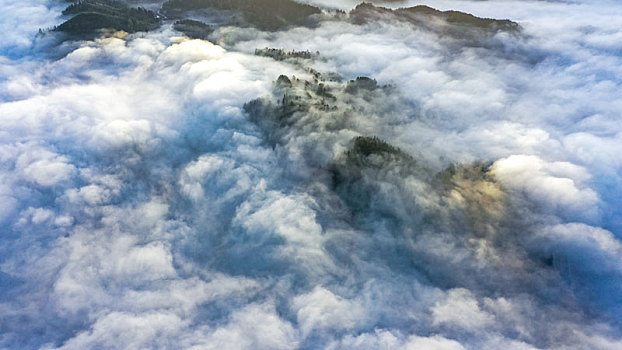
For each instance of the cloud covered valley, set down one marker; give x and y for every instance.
(362, 176)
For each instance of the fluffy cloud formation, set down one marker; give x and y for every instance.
(141, 206)
(558, 186)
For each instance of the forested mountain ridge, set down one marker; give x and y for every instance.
(422, 14)
(263, 14)
(89, 16)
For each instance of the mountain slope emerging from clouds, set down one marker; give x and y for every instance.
(90, 16)
(263, 14)
(429, 17)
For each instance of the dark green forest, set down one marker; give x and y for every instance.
(89, 16)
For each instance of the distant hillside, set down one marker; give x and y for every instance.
(263, 14)
(421, 15)
(193, 29)
(282, 55)
(90, 16)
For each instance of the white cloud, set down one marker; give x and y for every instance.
(323, 310)
(585, 236)
(559, 186)
(385, 340)
(43, 168)
(461, 309)
(128, 331)
(257, 326)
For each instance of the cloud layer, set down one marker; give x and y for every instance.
(141, 205)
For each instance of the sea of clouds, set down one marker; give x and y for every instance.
(141, 207)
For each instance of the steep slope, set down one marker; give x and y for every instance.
(263, 14)
(90, 16)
